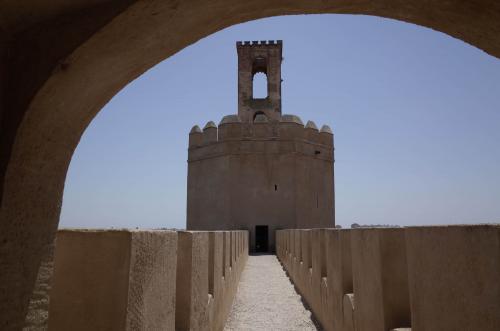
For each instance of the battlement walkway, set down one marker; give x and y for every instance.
(267, 300)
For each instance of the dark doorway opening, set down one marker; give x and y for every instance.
(261, 238)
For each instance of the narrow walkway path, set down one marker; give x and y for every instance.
(267, 300)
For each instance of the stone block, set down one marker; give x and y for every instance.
(210, 133)
(326, 138)
(305, 241)
(192, 281)
(311, 133)
(339, 271)
(380, 279)
(298, 246)
(195, 137)
(306, 265)
(216, 263)
(297, 260)
(278, 244)
(246, 247)
(291, 130)
(348, 313)
(114, 280)
(263, 130)
(318, 270)
(227, 250)
(230, 131)
(454, 274)
(216, 266)
(233, 248)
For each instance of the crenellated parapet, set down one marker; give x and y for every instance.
(209, 133)
(232, 128)
(255, 43)
(418, 278)
(145, 279)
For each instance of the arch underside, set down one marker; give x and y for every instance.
(65, 66)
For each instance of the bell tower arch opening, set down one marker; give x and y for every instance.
(260, 86)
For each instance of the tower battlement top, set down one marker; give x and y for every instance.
(259, 43)
(231, 128)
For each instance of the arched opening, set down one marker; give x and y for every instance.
(259, 85)
(259, 114)
(88, 68)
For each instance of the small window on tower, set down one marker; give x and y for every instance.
(259, 85)
(275, 187)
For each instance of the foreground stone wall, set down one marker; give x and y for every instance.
(145, 280)
(423, 278)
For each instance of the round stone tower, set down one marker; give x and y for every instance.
(260, 170)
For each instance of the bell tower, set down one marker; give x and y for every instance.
(259, 57)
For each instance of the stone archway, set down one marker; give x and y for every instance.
(61, 63)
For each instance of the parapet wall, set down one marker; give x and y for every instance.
(442, 278)
(145, 280)
(231, 128)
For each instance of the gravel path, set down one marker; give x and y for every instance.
(267, 300)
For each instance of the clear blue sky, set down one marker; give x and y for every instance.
(416, 116)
